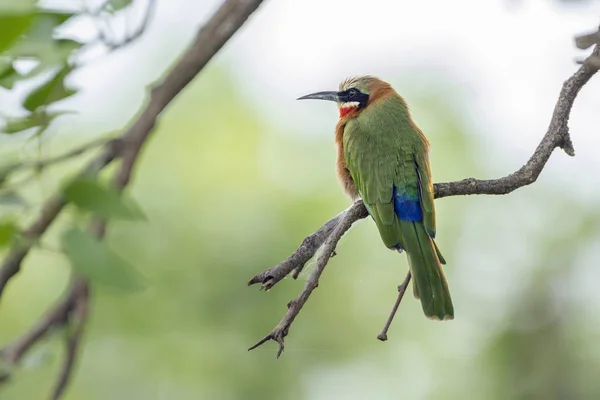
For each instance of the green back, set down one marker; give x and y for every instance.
(383, 147)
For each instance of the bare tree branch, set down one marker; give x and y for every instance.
(79, 314)
(77, 318)
(56, 317)
(278, 334)
(39, 165)
(557, 135)
(73, 309)
(588, 40)
(300, 257)
(131, 36)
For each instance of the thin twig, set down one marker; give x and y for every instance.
(55, 317)
(79, 315)
(401, 290)
(282, 329)
(105, 37)
(557, 135)
(39, 165)
(77, 319)
(131, 36)
(295, 263)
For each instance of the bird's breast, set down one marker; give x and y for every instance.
(342, 170)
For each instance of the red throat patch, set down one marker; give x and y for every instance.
(346, 110)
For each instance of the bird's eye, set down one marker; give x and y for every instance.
(352, 93)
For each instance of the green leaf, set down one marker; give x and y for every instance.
(8, 75)
(39, 42)
(38, 118)
(5, 65)
(15, 18)
(55, 18)
(119, 4)
(8, 231)
(89, 195)
(19, 124)
(13, 7)
(98, 263)
(13, 26)
(54, 54)
(51, 91)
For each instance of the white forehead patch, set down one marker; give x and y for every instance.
(350, 104)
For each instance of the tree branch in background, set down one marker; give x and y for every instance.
(77, 318)
(113, 44)
(39, 165)
(230, 16)
(56, 317)
(557, 135)
(105, 34)
(139, 31)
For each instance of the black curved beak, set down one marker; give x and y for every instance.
(331, 96)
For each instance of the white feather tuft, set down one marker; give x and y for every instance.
(350, 104)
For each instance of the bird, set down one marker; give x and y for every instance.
(383, 159)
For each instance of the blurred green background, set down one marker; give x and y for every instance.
(228, 193)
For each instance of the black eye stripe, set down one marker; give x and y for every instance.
(354, 94)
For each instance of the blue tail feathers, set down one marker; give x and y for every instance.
(407, 207)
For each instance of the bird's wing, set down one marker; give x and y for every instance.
(392, 175)
(426, 189)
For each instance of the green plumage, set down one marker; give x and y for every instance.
(384, 149)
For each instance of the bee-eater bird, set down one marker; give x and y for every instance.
(383, 157)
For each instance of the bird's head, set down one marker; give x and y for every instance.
(354, 94)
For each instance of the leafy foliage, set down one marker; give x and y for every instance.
(37, 53)
(97, 262)
(14, 26)
(29, 32)
(119, 4)
(106, 202)
(8, 231)
(8, 74)
(49, 92)
(40, 119)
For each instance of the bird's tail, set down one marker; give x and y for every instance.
(425, 262)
